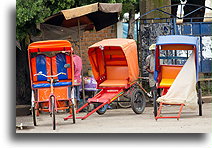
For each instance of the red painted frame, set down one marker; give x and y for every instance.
(165, 89)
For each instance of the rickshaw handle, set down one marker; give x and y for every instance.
(51, 76)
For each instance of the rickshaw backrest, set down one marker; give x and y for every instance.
(58, 63)
(40, 63)
(117, 72)
(167, 75)
(170, 71)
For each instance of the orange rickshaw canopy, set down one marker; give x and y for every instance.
(50, 45)
(128, 48)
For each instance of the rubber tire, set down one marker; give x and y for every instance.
(102, 110)
(155, 104)
(142, 101)
(124, 104)
(73, 114)
(200, 101)
(53, 112)
(34, 116)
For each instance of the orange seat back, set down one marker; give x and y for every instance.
(117, 72)
(170, 71)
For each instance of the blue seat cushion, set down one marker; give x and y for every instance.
(42, 85)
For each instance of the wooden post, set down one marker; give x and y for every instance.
(82, 78)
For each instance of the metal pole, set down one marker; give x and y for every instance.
(140, 49)
(82, 78)
(201, 45)
(175, 32)
(138, 42)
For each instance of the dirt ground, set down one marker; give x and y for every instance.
(123, 121)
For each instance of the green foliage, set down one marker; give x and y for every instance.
(31, 12)
(130, 4)
(57, 5)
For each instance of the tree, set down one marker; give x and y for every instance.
(131, 6)
(31, 12)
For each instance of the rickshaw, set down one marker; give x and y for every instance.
(172, 51)
(52, 78)
(114, 64)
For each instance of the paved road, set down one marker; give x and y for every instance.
(123, 121)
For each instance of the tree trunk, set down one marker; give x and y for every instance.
(131, 25)
(23, 89)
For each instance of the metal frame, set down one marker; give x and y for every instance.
(173, 22)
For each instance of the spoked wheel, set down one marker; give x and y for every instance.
(155, 104)
(200, 99)
(124, 102)
(34, 116)
(138, 101)
(102, 110)
(53, 112)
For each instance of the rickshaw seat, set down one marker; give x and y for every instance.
(166, 83)
(114, 83)
(42, 84)
(168, 75)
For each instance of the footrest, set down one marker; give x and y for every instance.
(104, 96)
(160, 108)
(71, 117)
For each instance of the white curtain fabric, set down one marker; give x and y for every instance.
(183, 89)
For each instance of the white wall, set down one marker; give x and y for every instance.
(119, 30)
(208, 12)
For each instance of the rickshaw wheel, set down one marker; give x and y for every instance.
(138, 101)
(155, 104)
(53, 112)
(200, 101)
(126, 104)
(102, 110)
(34, 116)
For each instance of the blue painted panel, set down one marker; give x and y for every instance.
(207, 65)
(187, 29)
(61, 61)
(206, 29)
(199, 29)
(196, 29)
(41, 67)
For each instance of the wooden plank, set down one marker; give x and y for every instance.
(79, 11)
